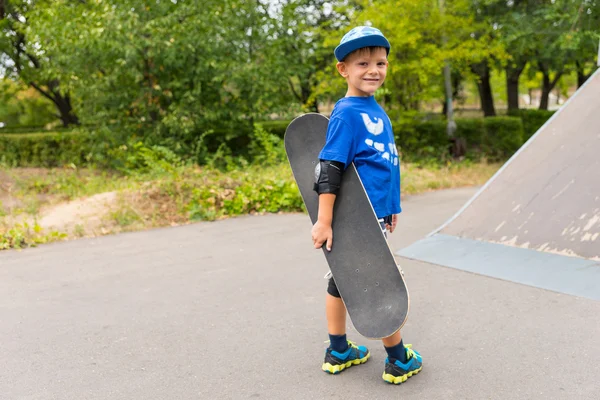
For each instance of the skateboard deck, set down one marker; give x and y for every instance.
(361, 261)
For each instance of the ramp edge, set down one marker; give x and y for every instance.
(569, 275)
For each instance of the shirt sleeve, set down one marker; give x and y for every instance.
(340, 142)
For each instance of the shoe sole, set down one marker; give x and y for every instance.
(336, 369)
(396, 380)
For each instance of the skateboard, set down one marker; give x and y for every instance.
(361, 260)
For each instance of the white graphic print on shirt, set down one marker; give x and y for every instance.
(376, 129)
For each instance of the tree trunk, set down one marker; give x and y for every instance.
(581, 75)
(545, 92)
(513, 73)
(315, 106)
(547, 85)
(482, 70)
(456, 80)
(62, 102)
(67, 116)
(530, 94)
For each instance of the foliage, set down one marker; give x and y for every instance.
(24, 235)
(420, 138)
(43, 149)
(53, 149)
(20, 106)
(252, 191)
(186, 194)
(266, 148)
(532, 120)
(194, 78)
(502, 137)
(23, 57)
(422, 38)
(170, 72)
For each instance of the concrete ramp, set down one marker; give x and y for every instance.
(537, 220)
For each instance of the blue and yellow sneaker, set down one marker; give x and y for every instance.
(396, 372)
(336, 362)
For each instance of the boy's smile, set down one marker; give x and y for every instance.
(364, 71)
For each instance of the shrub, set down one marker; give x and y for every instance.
(257, 189)
(532, 120)
(502, 137)
(277, 128)
(420, 139)
(54, 149)
(266, 148)
(470, 129)
(136, 157)
(43, 149)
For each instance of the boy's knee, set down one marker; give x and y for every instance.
(332, 288)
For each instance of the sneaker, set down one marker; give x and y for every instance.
(336, 362)
(396, 372)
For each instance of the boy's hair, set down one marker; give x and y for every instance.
(364, 51)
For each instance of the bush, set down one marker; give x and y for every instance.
(252, 190)
(43, 149)
(136, 157)
(266, 148)
(55, 149)
(427, 140)
(420, 139)
(502, 137)
(470, 129)
(277, 128)
(532, 120)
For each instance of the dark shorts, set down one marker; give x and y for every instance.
(331, 287)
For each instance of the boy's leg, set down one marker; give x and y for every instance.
(341, 353)
(393, 340)
(402, 361)
(335, 310)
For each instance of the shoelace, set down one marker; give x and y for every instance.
(409, 351)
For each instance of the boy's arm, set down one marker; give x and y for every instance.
(321, 231)
(328, 179)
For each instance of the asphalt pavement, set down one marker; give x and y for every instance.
(235, 310)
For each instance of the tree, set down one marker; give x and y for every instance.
(416, 31)
(516, 32)
(21, 105)
(177, 73)
(22, 57)
(301, 29)
(567, 36)
(581, 41)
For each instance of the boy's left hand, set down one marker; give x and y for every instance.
(392, 227)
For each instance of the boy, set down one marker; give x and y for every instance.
(360, 131)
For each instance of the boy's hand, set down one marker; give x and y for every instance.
(322, 233)
(392, 227)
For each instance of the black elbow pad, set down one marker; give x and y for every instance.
(328, 176)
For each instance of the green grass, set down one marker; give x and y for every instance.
(178, 196)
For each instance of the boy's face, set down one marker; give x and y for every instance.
(365, 71)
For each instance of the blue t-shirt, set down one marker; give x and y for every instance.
(359, 130)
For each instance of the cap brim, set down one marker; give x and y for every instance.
(344, 49)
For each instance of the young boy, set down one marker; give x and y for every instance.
(360, 131)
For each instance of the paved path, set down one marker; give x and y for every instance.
(234, 310)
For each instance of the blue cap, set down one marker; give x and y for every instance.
(359, 37)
